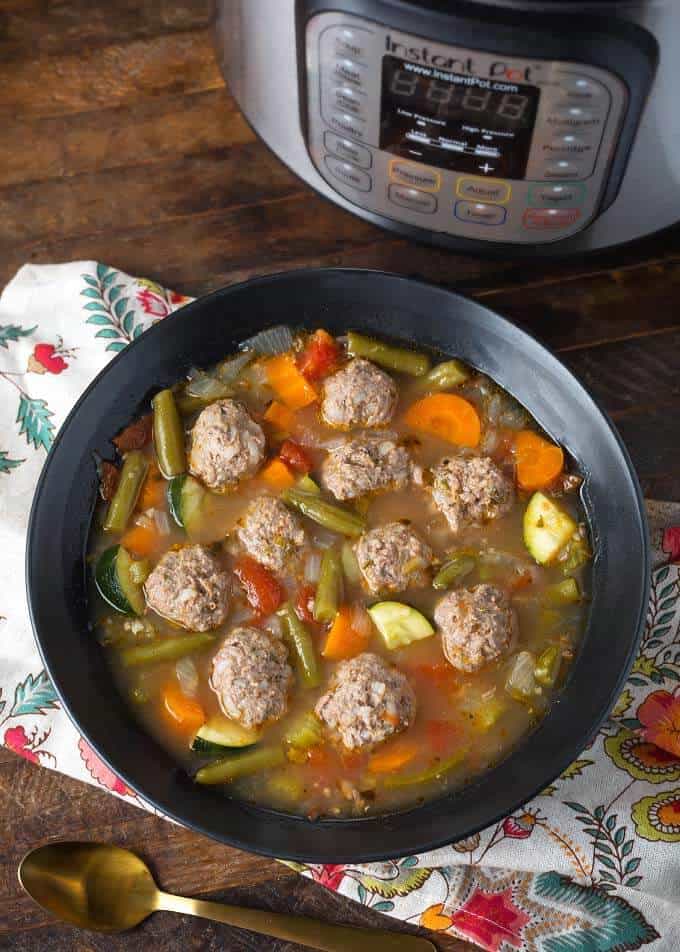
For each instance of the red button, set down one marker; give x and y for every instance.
(550, 217)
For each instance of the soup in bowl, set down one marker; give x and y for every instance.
(338, 576)
(144, 720)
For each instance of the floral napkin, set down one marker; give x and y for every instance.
(590, 865)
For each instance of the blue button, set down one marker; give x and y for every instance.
(479, 213)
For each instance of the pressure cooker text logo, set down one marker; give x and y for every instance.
(499, 69)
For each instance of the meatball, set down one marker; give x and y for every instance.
(367, 702)
(190, 588)
(470, 490)
(251, 677)
(358, 395)
(271, 533)
(392, 558)
(226, 445)
(477, 626)
(365, 464)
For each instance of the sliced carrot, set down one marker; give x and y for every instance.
(344, 641)
(279, 416)
(185, 712)
(394, 756)
(290, 384)
(141, 540)
(446, 416)
(152, 495)
(539, 462)
(277, 475)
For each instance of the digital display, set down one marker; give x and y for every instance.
(455, 121)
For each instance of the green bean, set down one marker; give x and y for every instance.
(240, 765)
(325, 513)
(548, 665)
(576, 553)
(438, 770)
(307, 485)
(328, 589)
(301, 643)
(125, 498)
(393, 358)
(445, 376)
(456, 567)
(168, 435)
(167, 649)
(350, 565)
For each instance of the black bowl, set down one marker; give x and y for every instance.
(376, 303)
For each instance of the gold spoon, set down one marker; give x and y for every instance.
(109, 889)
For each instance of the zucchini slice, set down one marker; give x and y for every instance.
(186, 497)
(399, 624)
(219, 735)
(547, 528)
(114, 580)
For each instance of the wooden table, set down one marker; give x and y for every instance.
(121, 144)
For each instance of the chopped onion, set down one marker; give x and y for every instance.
(207, 387)
(241, 612)
(187, 675)
(229, 369)
(324, 538)
(313, 567)
(489, 442)
(273, 624)
(520, 682)
(360, 621)
(162, 521)
(274, 340)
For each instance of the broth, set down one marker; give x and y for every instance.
(465, 721)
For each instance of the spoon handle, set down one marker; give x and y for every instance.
(310, 932)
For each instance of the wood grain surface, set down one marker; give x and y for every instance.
(121, 144)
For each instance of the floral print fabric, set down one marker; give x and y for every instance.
(590, 865)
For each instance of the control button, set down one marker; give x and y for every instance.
(349, 125)
(347, 71)
(548, 218)
(550, 196)
(581, 88)
(348, 173)
(478, 213)
(564, 115)
(567, 143)
(349, 42)
(349, 100)
(348, 150)
(563, 170)
(484, 190)
(416, 176)
(412, 198)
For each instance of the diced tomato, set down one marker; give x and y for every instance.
(108, 480)
(263, 591)
(441, 735)
(304, 603)
(319, 356)
(294, 456)
(319, 757)
(136, 435)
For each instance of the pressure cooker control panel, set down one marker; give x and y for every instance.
(470, 143)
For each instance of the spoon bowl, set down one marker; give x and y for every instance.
(91, 885)
(109, 889)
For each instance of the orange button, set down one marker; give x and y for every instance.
(550, 217)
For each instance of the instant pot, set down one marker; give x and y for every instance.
(502, 126)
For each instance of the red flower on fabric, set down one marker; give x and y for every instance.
(670, 543)
(492, 920)
(329, 875)
(101, 773)
(659, 715)
(50, 358)
(519, 827)
(18, 741)
(152, 303)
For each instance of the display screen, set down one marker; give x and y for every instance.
(454, 121)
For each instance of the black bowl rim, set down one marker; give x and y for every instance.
(568, 753)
